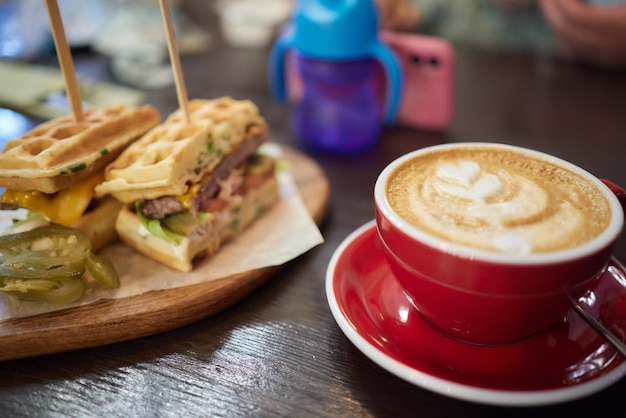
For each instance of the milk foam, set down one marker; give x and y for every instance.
(496, 206)
(460, 180)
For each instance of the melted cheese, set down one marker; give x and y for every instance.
(64, 207)
(186, 198)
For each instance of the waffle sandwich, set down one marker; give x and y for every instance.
(190, 186)
(53, 169)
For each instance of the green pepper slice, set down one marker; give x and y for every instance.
(56, 291)
(45, 247)
(22, 271)
(102, 270)
(47, 264)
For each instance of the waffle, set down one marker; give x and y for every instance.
(60, 152)
(175, 154)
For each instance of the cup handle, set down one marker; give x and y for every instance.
(276, 68)
(619, 192)
(393, 74)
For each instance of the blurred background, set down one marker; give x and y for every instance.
(120, 54)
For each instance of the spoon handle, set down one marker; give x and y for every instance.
(597, 326)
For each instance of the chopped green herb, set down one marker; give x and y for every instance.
(260, 210)
(104, 151)
(234, 225)
(75, 168)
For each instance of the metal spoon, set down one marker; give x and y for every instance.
(618, 344)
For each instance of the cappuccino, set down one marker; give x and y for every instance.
(498, 199)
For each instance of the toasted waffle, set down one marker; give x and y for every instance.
(176, 153)
(60, 152)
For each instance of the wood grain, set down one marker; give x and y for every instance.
(110, 321)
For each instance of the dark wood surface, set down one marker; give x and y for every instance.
(279, 352)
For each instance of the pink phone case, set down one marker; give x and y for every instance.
(427, 97)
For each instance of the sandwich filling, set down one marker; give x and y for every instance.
(64, 207)
(173, 218)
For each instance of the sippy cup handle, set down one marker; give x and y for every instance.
(277, 63)
(393, 75)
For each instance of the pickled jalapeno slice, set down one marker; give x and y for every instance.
(59, 290)
(102, 270)
(44, 247)
(47, 264)
(24, 271)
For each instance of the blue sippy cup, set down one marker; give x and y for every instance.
(337, 50)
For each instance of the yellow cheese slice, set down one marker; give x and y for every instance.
(64, 207)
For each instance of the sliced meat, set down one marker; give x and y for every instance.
(161, 207)
(210, 187)
(8, 206)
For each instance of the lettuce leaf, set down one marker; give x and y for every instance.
(155, 227)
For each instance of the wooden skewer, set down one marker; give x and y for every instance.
(65, 60)
(172, 47)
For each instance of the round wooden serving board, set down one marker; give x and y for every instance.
(115, 320)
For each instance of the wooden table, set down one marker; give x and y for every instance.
(279, 352)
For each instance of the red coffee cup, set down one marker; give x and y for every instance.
(487, 295)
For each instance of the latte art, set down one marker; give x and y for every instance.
(498, 200)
